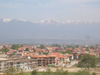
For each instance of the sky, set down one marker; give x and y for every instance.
(60, 10)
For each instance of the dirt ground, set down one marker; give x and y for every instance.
(75, 69)
(96, 70)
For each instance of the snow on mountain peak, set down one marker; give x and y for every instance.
(22, 20)
(6, 20)
(49, 21)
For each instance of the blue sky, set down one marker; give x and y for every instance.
(61, 10)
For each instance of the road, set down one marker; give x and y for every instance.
(72, 63)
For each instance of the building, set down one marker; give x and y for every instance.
(20, 62)
(44, 60)
(3, 64)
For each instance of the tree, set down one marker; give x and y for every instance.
(77, 46)
(56, 45)
(15, 46)
(34, 72)
(87, 48)
(69, 46)
(11, 55)
(80, 56)
(94, 73)
(67, 51)
(34, 50)
(73, 47)
(45, 53)
(0, 50)
(42, 47)
(5, 50)
(14, 71)
(88, 61)
(27, 49)
(21, 45)
(91, 47)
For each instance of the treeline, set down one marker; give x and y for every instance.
(16, 46)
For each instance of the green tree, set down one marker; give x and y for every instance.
(42, 47)
(11, 55)
(87, 48)
(94, 73)
(34, 72)
(14, 71)
(34, 50)
(73, 47)
(27, 49)
(45, 53)
(56, 45)
(91, 47)
(67, 51)
(21, 45)
(80, 56)
(77, 46)
(88, 61)
(5, 50)
(0, 50)
(15, 46)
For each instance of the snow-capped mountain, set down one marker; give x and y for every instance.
(48, 29)
(51, 21)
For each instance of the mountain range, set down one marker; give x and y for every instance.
(17, 30)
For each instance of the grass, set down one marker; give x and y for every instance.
(40, 73)
(27, 74)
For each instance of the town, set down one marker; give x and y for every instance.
(29, 57)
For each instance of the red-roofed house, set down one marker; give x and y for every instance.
(44, 60)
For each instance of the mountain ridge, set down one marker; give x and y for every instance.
(23, 29)
(50, 21)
